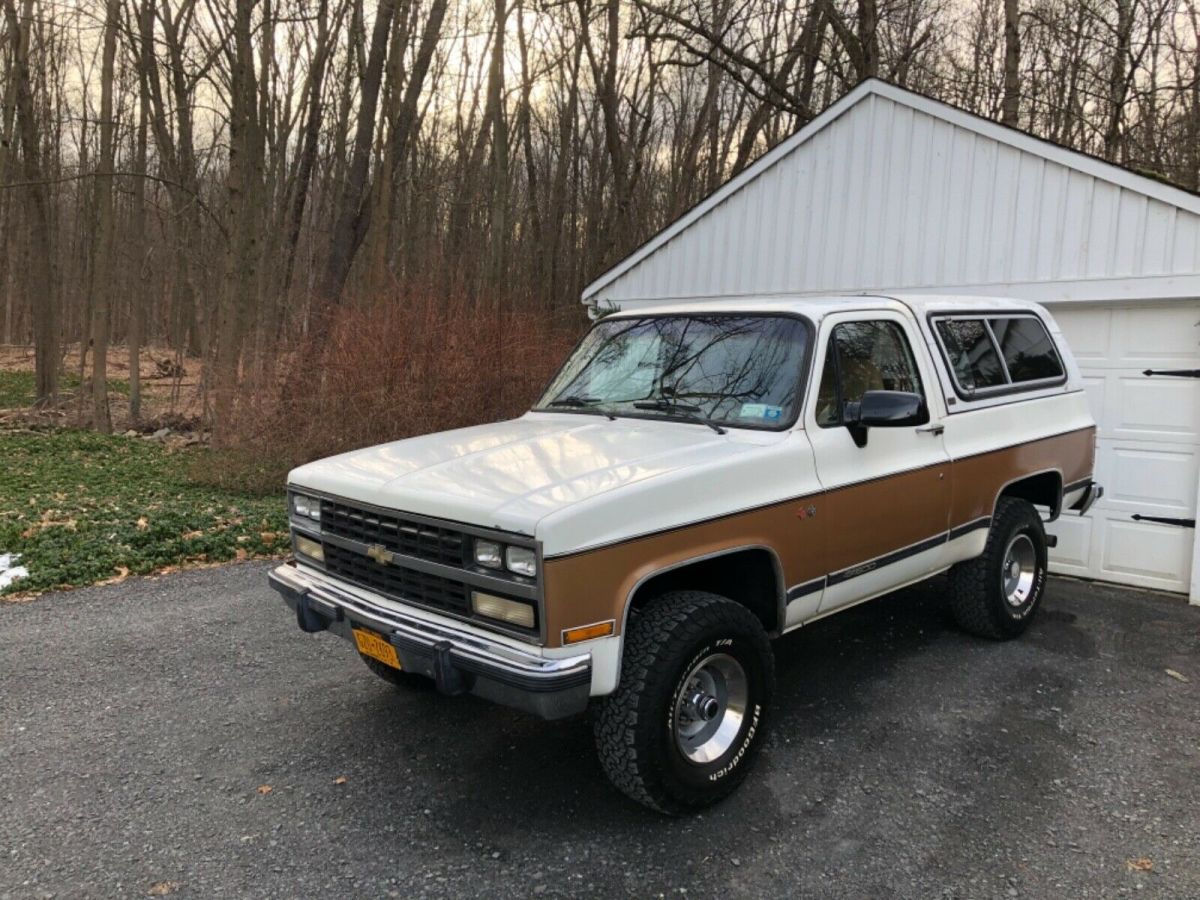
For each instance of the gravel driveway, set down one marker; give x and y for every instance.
(181, 736)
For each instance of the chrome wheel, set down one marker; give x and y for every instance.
(1019, 571)
(711, 707)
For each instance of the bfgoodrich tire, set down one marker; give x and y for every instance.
(997, 594)
(689, 714)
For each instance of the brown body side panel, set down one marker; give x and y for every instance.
(978, 480)
(866, 520)
(592, 586)
(595, 585)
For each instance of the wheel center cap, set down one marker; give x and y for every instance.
(705, 706)
(1014, 568)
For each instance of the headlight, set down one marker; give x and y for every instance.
(502, 609)
(306, 507)
(310, 548)
(487, 553)
(521, 560)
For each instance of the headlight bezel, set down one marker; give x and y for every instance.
(305, 508)
(488, 553)
(526, 564)
(500, 555)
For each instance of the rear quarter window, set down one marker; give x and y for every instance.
(1028, 351)
(998, 354)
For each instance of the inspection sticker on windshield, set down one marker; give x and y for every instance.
(761, 411)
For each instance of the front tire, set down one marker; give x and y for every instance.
(997, 594)
(689, 714)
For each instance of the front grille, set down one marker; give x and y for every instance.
(403, 584)
(400, 535)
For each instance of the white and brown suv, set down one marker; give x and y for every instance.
(695, 481)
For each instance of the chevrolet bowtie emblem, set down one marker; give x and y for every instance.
(380, 554)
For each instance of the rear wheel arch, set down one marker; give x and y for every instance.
(1044, 488)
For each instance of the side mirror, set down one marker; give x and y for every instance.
(884, 409)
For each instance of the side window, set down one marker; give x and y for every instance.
(861, 357)
(972, 355)
(998, 352)
(1028, 351)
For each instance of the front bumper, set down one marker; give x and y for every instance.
(457, 660)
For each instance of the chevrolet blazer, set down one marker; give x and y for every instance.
(697, 480)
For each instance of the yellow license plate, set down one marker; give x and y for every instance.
(376, 646)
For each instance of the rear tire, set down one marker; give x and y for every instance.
(689, 714)
(997, 594)
(395, 677)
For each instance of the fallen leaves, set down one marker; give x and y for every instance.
(264, 789)
(1141, 864)
(162, 888)
(1178, 676)
(122, 574)
(142, 523)
(341, 779)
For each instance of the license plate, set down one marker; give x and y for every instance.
(376, 646)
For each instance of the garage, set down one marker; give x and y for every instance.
(889, 191)
(1148, 444)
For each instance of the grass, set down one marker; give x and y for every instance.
(16, 388)
(82, 508)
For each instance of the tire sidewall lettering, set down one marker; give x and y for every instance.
(733, 758)
(1039, 581)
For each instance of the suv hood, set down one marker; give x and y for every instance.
(509, 475)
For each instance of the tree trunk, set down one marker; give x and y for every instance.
(243, 200)
(1012, 63)
(138, 299)
(1118, 80)
(41, 275)
(102, 274)
(353, 213)
(499, 158)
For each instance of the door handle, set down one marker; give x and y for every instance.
(931, 429)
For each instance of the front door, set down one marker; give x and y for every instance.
(886, 503)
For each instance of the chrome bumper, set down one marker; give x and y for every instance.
(458, 661)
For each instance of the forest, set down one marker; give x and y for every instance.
(392, 202)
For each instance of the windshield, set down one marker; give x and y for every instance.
(742, 371)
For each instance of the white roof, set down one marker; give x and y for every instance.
(818, 306)
(891, 190)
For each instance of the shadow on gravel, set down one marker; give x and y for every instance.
(481, 764)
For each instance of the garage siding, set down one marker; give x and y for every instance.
(892, 192)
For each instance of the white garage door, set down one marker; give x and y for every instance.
(1148, 448)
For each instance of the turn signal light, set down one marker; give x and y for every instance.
(588, 632)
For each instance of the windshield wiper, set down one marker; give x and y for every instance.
(685, 411)
(577, 402)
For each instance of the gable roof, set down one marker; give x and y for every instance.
(1020, 141)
